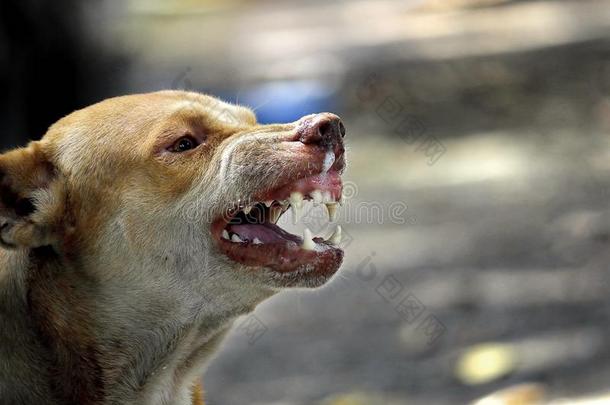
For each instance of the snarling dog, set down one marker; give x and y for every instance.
(138, 229)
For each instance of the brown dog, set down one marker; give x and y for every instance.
(138, 229)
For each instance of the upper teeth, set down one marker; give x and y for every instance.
(296, 202)
(274, 213)
(335, 238)
(332, 211)
(326, 197)
(318, 197)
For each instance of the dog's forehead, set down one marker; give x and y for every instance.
(214, 109)
(124, 125)
(135, 114)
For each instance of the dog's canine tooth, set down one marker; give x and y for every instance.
(332, 211)
(257, 241)
(225, 234)
(308, 243)
(316, 195)
(296, 202)
(247, 209)
(268, 203)
(236, 239)
(274, 214)
(335, 238)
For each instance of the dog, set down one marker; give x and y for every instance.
(138, 229)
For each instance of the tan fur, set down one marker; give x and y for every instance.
(111, 290)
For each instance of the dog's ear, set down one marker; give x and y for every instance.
(29, 198)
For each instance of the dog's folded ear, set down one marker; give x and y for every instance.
(30, 198)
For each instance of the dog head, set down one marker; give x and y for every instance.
(179, 188)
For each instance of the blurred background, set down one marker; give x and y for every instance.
(476, 218)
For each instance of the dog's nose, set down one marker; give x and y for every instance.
(325, 129)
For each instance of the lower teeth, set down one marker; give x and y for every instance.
(308, 243)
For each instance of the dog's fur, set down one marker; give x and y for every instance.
(111, 290)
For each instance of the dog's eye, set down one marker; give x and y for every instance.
(183, 144)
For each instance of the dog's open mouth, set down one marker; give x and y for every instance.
(249, 234)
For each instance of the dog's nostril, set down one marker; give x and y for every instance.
(331, 128)
(325, 129)
(342, 129)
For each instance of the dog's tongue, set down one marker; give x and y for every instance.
(266, 233)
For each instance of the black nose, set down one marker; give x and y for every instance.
(325, 129)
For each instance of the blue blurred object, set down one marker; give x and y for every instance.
(287, 101)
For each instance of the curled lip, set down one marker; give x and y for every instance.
(250, 236)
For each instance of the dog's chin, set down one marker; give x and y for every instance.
(248, 235)
(267, 278)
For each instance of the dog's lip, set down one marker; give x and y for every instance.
(287, 257)
(284, 253)
(329, 181)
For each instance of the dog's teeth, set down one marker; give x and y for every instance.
(247, 209)
(225, 234)
(335, 238)
(332, 211)
(308, 243)
(296, 202)
(268, 203)
(316, 196)
(274, 214)
(327, 197)
(236, 239)
(296, 198)
(257, 241)
(296, 214)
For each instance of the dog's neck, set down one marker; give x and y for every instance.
(104, 340)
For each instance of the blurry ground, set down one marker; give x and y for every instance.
(477, 223)
(479, 183)
(505, 241)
